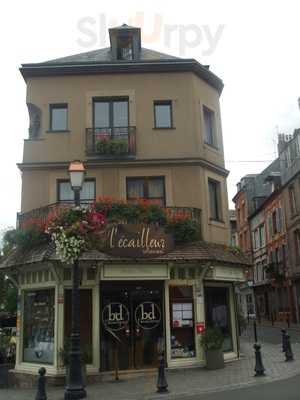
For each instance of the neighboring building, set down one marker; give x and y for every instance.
(165, 111)
(289, 154)
(233, 229)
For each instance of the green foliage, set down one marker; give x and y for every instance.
(184, 230)
(212, 339)
(24, 239)
(4, 344)
(112, 146)
(8, 295)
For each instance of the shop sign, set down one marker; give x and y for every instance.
(138, 241)
(115, 316)
(148, 315)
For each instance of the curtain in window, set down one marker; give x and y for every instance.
(156, 188)
(213, 196)
(88, 191)
(135, 189)
(65, 192)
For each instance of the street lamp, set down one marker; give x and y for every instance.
(75, 389)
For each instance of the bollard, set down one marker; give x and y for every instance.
(283, 334)
(288, 349)
(162, 384)
(288, 320)
(41, 386)
(272, 318)
(259, 368)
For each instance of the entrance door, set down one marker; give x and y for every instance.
(131, 324)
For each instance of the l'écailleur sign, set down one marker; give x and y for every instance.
(138, 241)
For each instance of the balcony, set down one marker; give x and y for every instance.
(117, 142)
(43, 214)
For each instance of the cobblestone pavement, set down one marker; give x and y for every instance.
(271, 334)
(185, 383)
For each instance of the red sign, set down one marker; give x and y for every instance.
(200, 326)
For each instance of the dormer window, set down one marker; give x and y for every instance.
(125, 43)
(125, 48)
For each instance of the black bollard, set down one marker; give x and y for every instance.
(288, 349)
(41, 386)
(283, 334)
(288, 320)
(259, 368)
(162, 384)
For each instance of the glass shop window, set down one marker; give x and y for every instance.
(39, 314)
(182, 322)
(217, 313)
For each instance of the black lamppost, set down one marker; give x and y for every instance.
(75, 389)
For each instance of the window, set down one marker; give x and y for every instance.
(214, 200)
(218, 313)
(125, 48)
(163, 114)
(262, 235)
(87, 193)
(150, 188)
(297, 243)
(292, 198)
(111, 113)
(58, 117)
(182, 322)
(39, 313)
(209, 127)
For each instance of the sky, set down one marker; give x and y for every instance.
(252, 45)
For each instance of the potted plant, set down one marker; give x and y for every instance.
(212, 341)
(5, 362)
(86, 358)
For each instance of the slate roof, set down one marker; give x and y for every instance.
(104, 55)
(193, 252)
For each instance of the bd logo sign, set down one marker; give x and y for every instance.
(115, 316)
(147, 315)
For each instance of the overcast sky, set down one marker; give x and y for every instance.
(252, 45)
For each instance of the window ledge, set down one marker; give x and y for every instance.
(218, 222)
(212, 147)
(163, 128)
(58, 131)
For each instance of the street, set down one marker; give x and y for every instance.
(270, 334)
(287, 390)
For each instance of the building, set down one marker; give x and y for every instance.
(233, 229)
(147, 126)
(252, 191)
(289, 154)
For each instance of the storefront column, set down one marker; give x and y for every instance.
(59, 326)
(167, 324)
(19, 328)
(96, 328)
(199, 315)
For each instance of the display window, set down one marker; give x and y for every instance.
(182, 322)
(217, 313)
(38, 333)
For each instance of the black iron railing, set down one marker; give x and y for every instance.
(111, 142)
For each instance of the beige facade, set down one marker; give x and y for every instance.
(191, 286)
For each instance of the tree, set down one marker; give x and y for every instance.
(8, 292)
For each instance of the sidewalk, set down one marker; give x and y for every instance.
(279, 325)
(186, 382)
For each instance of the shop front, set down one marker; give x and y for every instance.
(129, 312)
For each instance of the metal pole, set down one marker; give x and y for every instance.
(255, 331)
(75, 389)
